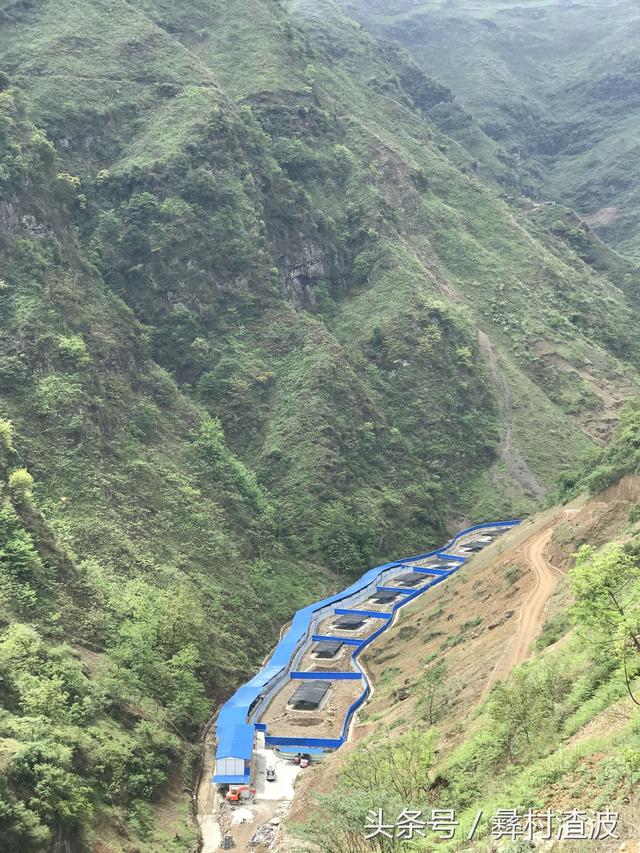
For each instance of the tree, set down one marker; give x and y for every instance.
(431, 686)
(606, 586)
(20, 484)
(526, 712)
(20, 828)
(347, 536)
(22, 573)
(56, 794)
(6, 434)
(340, 823)
(400, 766)
(384, 774)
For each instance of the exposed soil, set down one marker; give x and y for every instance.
(285, 722)
(207, 798)
(612, 392)
(604, 216)
(595, 522)
(326, 722)
(342, 662)
(326, 628)
(532, 610)
(499, 601)
(271, 801)
(369, 604)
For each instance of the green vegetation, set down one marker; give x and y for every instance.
(563, 728)
(606, 587)
(549, 85)
(621, 456)
(244, 272)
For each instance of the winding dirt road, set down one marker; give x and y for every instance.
(532, 611)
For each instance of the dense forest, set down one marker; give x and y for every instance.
(274, 307)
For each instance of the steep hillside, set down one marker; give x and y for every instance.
(554, 83)
(262, 325)
(291, 250)
(127, 568)
(452, 725)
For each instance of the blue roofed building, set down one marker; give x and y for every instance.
(233, 755)
(238, 720)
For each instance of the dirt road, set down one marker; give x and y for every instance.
(532, 612)
(208, 804)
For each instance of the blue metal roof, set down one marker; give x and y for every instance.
(234, 713)
(231, 780)
(235, 741)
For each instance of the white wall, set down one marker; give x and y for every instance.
(230, 767)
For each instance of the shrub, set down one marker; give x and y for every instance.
(6, 434)
(20, 483)
(512, 574)
(74, 349)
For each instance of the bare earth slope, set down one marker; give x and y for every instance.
(482, 623)
(531, 613)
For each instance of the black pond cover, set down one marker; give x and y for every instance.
(349, 621)
(383, 597)
(327, 648)
(411, 578)
(310, 693)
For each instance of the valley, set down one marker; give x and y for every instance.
(551, 86)
(289, 289)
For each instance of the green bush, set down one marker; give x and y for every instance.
(20, 484)
(73, 349)
(6, 434)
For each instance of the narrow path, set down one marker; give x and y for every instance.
(516, 465)
(532, 611)
(207, 799)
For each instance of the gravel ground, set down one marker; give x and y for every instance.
(324, 722)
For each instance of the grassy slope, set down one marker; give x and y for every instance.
(548, 81)
(148, 547)
(561, 733)
(312, 270)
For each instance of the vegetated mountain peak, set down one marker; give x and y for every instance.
(264, 324)
(556, 85)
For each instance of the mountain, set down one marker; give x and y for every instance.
(263, 324)
(554, 83)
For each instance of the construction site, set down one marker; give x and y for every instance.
(301, 705)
